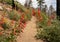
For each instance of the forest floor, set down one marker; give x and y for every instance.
(29, 32)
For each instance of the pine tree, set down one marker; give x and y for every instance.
(41, 2)
(28, 3)
(51, 8)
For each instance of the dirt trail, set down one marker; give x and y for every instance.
(29, 32)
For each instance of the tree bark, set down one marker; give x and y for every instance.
(58, 9)
(13, 4)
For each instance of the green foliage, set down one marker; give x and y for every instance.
(28, 16)
(43, 23)
(5, 26)
(50, 33)
(58, 17)
(41, 2)
(0, 0)
(22, 8)
(13, 16)
(7, 1)
(7, 38)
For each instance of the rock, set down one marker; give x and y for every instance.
(1, 8)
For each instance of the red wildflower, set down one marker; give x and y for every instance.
(24, 25)
(1, 22)
(41, 18)
(12, 21)
(2, 19)
(38, 11)
(1, 28)
(52, 16)
(33, 12)
(19, 11)
(21, 25)
(22, 17)
(1, 33)
(14, 32)
(49, 22)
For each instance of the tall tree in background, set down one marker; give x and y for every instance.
(13, 4)
(51, 9)
(45, 8)
(28, 3)
(25, 4)
(41, 2)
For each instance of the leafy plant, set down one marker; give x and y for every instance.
(28, 16)
(5, 26)
(13, 16)
(7, 38)
(50, 33)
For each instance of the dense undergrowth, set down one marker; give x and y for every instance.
(12, 24)
(48, 28)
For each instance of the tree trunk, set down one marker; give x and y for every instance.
(58, 9)
(40, 6)
(13, 4)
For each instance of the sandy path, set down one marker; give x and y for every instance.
(29, 32)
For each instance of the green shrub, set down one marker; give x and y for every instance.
(5, 26)
(13, 16)
(50, 33)
(7, 38)
(28, 16)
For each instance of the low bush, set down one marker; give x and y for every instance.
(50, 33)
(14, 16)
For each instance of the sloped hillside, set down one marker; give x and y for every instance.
(12, 22)
(28, 23)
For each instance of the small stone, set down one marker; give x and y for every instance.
(1, 8)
